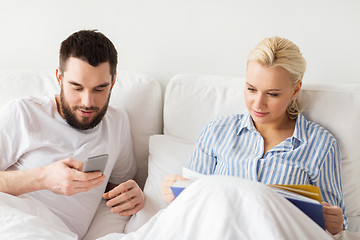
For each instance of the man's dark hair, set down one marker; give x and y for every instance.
(90, 46)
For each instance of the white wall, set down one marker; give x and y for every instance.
(167, 37)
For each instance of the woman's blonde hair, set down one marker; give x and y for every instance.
(281, 52)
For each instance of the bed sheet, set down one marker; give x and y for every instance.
(214, 208)
(105, 222)
(209, 215)
(27, 218)
(354, 224)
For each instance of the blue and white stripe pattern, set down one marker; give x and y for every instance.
(232, 146)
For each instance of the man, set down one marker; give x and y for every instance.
(44, 141)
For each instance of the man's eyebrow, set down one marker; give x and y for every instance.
(98, 86)
(102, 85)
(74, 83)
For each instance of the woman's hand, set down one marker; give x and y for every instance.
(333, 217)
(166, 192)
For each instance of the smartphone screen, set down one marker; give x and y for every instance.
(96, 163)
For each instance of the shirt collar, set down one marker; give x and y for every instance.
(299, 136)
(246, 122)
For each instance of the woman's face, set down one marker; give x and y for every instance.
(268, 91)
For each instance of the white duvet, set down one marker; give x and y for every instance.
(26, 218)
(215, 207)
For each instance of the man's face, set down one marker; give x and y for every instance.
(85, 93)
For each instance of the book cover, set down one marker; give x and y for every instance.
(306, 197)
(179, 186)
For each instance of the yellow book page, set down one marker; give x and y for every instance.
(306, 190)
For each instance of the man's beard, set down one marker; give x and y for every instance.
(71, 119)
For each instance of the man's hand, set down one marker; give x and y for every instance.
(166, 192)
(333, 217)
(125, 199)
(62, 177)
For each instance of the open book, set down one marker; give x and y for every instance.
(179, 186)
(306, 197)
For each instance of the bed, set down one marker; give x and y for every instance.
(165, 128)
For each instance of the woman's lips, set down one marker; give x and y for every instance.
(260, 114)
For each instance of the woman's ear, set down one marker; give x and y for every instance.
(297, 89)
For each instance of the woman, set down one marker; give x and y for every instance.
(273, 143)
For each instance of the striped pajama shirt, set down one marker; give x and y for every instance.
(232, 146)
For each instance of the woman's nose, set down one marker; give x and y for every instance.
(260, 101)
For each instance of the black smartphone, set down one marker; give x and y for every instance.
(95, 164)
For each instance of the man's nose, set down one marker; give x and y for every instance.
(87, 99)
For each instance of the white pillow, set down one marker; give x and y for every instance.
(167, 156)
(18, 84)
(141, 97)
(191, 101)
